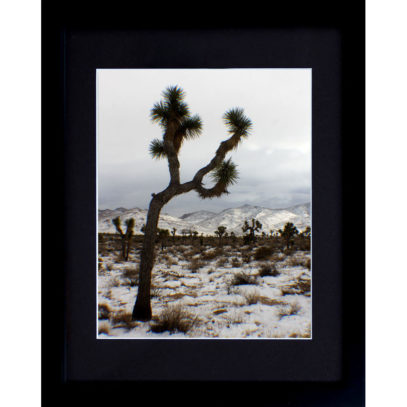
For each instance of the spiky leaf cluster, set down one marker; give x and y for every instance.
(172, 107)
(226, 173)
(173, 113)
(157, 149)
(237, 123)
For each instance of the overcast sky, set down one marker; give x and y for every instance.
(274, 162)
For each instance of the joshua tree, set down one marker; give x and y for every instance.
(306, 232)
(178, 125)
(220, 232)
(125, 237)
(173, 231)
(288, 233)
(252, 229)
(162, 236)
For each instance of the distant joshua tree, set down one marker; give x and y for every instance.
(173, 231)
(220, 232)
(163, 234)
(125, 237)
(306, 232)
(251, 229)
(174, 117)
(288, 233)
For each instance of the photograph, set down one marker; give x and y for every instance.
(204, 203)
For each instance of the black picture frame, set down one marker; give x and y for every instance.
(82, 38)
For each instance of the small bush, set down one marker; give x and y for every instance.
(297, 261)
(291, 309)
(308, 264)
(123, 319)
(195, 264)
(104, 328)
(268, 270)
(104, 311)
(300, 286)
(222, 261)
(252, 297)
(236, 263)
(242, 278)
(131, 272)
(174, 318)
(263, 252)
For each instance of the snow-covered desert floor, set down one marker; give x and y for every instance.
(208, 292)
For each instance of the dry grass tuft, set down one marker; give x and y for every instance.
(288, 310)
(252, 297)
(123, 319)
(104, 311)
(301, 286)
(263, 252)
(269, 270)
(241, 278)
(174, 319)
(195, 264)
(104, 328)
(236, 263)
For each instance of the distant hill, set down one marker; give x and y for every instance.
(207, 222)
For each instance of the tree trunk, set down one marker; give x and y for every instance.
(142, 307)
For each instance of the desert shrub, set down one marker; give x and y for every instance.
(300, 286)
(192, 252)
(252, 297)
(288, 310)
(296, 261)
(236, 263)
(195, 264)
(103, 311)
(267, 270)
(171, 262)
(246, 259)
(263, 252)
(242, 278)
(222, 261)
(308, 264)
(131, 274)
(114, 282)
(123, 319)
(104, 328)
(173, 318)
(155, 292)
(276, 257)
(233, 318)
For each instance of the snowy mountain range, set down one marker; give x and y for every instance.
(207, 222)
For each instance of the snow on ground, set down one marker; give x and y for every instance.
(202, 287)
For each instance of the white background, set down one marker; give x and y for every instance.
(385, 212)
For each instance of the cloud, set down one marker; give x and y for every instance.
(274, 162)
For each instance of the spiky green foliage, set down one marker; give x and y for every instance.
(237, 123)
(157, 149)
(172, 107)
(190, 127)
(226, 173)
